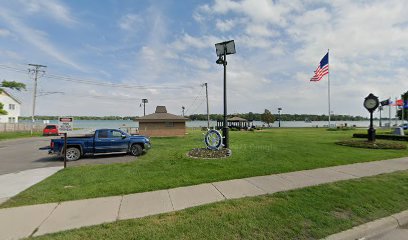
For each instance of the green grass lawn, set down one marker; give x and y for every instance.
(14, 135)
(167, 166)
(309, 213)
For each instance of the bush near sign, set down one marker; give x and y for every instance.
(65, 124)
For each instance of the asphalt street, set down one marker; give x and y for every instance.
(23, 154)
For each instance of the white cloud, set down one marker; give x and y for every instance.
(226, 25)
(37, 38)
(4, 32)
(131, 22)
(52, 8)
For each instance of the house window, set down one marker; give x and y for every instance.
(12, 106)
(12, 120)
(169, 124)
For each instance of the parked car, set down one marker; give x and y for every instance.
(50, 129)
(404, 126)
(102, 141)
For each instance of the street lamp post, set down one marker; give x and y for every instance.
(144, 101)
(222, 50)
(279, 113)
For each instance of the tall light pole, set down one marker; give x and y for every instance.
(182, 109)
(35, 70)
(279, 112)
(208, 110)
(144, 101)
(223, 49)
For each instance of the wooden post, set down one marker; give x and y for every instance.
(65, 150)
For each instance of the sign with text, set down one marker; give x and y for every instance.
(65, 124)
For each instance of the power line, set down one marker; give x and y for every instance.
(100, 83)
(195, 99)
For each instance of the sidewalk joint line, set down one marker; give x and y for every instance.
(171, 201)
(351, 174)
(42, 222)
(120, 206)
(218, 191)
(265, 192)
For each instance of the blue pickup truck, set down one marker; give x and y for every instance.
(102, 141)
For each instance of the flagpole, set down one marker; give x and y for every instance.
(396, 112)
(389, 111)
(328, 78)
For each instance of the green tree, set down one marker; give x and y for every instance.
(12, 85)
(267, 117)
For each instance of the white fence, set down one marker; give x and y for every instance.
(19, 127)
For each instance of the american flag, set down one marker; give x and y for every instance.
(322, 69)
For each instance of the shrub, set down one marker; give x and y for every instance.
(382, 136)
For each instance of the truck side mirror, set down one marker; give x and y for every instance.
(123, 136)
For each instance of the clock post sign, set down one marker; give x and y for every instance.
(371, 103)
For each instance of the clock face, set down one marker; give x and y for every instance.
(370, 103)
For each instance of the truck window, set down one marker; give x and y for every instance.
(103, 134)
(116, 134)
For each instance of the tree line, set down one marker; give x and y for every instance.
(81, 118)
(284, 117)
(263, 117)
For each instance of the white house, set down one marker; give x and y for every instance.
(12, 105)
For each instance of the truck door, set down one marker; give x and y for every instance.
(118, 142)
(108, 141)
(102, 141)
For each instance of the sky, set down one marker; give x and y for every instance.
(103, 56)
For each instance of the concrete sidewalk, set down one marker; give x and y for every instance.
(55, 217)
(13, 183)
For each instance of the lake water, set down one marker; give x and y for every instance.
(95, 124)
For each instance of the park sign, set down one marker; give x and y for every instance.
(65, 124)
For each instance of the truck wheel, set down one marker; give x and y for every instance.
(136, 150)
(73, 154)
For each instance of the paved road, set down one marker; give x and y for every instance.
(23, 154)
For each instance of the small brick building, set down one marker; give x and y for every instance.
(162, 124)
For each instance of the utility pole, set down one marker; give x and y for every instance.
(208, 110)
(35, 70)
(144, 101)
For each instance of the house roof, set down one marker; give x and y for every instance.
(10, 95)
(161, 115)
(237, 119)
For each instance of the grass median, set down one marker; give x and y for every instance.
(309, 213)
(14, 135)
(167, 166)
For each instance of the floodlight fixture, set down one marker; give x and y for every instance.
(220, 60)
(225, 48)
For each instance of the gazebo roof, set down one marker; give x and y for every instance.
(237, 119)
(161, 115)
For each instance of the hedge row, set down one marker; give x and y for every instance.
(382, 136)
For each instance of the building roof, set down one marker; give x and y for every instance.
(161, 115)
(237, 119)
(10, 95)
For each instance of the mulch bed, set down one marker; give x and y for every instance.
(378, 144)
(209, 154)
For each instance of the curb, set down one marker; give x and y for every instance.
(372, 229)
